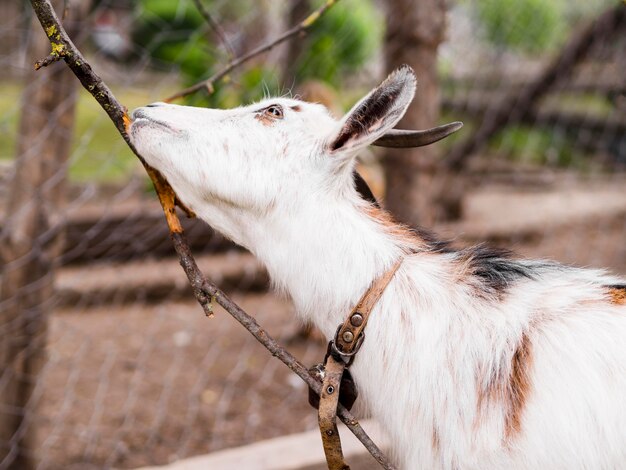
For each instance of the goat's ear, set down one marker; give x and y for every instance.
(375, 114)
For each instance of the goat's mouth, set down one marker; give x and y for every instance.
(140, 119)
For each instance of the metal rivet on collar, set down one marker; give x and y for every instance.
(348, 336)
(356, 319)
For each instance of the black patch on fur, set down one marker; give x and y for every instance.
(434, 243)
(617, 286)
(495, 269)
(363, 189)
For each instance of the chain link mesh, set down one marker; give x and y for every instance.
(134, 374)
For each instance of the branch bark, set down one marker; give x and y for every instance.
(204, 290)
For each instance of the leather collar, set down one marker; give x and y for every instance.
(350, 333)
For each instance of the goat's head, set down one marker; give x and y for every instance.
(250, 160)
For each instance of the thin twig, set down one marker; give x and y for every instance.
(217, 29)
(299, 28)
(49, 59)
(203, 289)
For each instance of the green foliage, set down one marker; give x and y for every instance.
(173, 33)
(529, 26)
(341, 41)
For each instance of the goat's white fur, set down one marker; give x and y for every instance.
(438, 364)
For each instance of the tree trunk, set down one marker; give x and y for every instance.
(296, 12)
(30, 245)
(417, 186)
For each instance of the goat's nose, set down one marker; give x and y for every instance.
(156, 105)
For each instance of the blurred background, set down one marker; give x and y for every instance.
(106, 359)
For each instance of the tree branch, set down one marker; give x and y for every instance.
(49, 59)
(299, 28)
(204, 290)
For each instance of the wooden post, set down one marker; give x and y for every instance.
(415, 189)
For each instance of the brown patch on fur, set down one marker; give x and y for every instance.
(509, 392)
(617, 294)
(393, 228)
(436, 442)
(264, 119)
(225, 145)
(296, 108)
(519, 386)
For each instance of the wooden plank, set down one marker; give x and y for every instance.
(120, 238)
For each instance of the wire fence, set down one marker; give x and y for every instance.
(132, 373)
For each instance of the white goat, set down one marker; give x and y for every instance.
(471, 360)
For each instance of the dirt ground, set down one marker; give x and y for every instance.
(131, 384)
(142, 385)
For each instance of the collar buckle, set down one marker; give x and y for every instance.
(346, 357)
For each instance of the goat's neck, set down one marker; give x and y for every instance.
(325, 256)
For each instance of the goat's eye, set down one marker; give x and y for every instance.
(275, 111)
